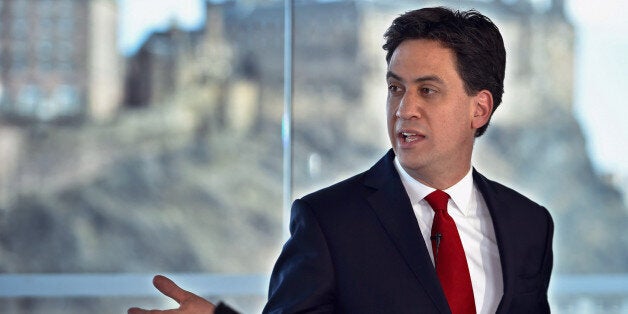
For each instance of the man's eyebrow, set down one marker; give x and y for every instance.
(390, 74)
(420, 79)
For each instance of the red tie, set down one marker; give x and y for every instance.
(451, 264)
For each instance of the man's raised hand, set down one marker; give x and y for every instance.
(189, 303)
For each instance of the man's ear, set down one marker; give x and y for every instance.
(482, 109)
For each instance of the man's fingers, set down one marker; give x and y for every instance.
(169, 288)
(137, 310)
(188, 301)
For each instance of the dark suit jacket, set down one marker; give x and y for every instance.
(356, 247)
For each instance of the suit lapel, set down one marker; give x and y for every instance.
(392, 206)
(499, 211)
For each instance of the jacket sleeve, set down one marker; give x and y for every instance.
(536, 300)
(548, 263)
(303, 276)
(222, 308)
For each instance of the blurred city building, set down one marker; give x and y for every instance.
(58, 60)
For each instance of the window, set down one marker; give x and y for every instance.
(44, 55)
(66, 99)
(28, 100)
(20, 26)
(189, 183)
(2, 104)
(185, 177)
(19, 55)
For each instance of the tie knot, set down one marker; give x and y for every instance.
(438, 200)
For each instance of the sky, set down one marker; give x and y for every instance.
(601, 76)
(601, 80)
(138, 17)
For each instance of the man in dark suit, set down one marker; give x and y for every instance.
(364, 245)
(365, 253)
(375, 243)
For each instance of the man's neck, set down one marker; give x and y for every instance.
(439, 179)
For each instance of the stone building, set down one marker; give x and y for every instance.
(59, 60)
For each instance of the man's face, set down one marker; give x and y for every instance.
(430, 116)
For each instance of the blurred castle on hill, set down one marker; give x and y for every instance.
(338, 56)
(534, 144)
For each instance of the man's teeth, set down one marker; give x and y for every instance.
(409, 137)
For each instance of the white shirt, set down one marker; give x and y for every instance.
(475, 226)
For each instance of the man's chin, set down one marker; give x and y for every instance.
(409, 162)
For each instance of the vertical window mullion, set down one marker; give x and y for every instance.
(287, 114)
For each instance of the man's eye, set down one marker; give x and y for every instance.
(393, 88)
(427, 91)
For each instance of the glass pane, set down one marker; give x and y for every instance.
(549, 139)
(339, 90)
(164, 155)
(159, 153)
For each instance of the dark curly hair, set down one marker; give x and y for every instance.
(473, 37)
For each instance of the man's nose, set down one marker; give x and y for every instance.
(409, 107)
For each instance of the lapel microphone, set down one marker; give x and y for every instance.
(437, 237)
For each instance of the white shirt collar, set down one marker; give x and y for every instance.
(460, 192)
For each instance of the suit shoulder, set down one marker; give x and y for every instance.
(343, 189)
(510, 196)
(507, 192)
